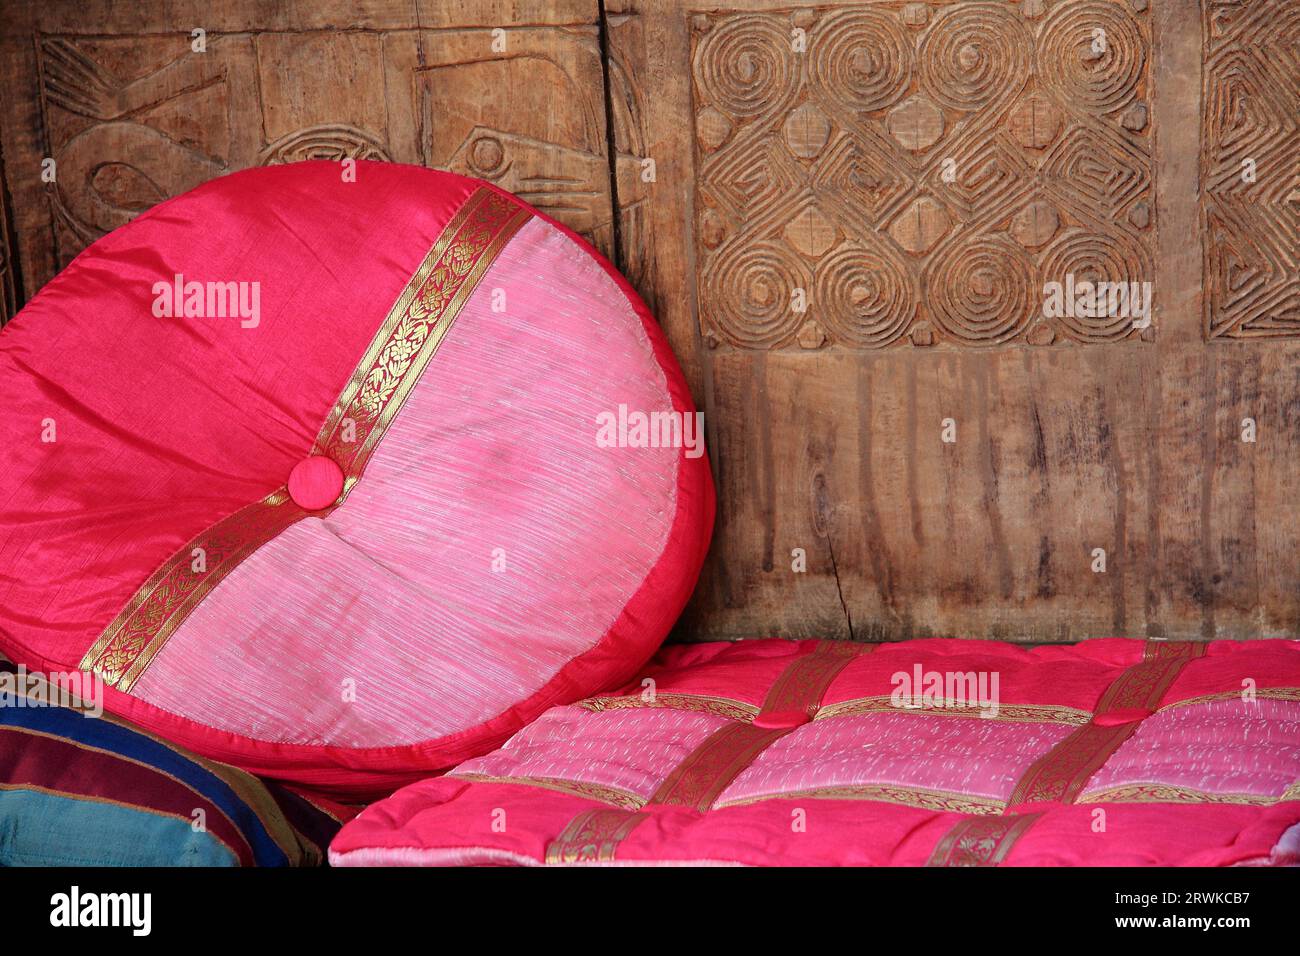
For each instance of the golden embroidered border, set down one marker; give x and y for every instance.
(1029, 713)
(940, 800)
(1261, 693)
(140, 630)
(1164, 793)
(614, 796)
(395, 360)
(981, 841)
(595, 835)
(692, 703)
(1017, 713)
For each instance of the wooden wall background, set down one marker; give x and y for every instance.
(820, 170)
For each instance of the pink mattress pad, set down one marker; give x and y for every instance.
(930, 752)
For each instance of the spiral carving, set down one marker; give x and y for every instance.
(745, 65)
(808, 166)
(1092, 55)
(748, 290)
(974, 56)
(982, 292)
(1096, 257)
(862, 58)
(864, 296)
(330, 141)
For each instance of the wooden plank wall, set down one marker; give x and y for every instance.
(843, 215)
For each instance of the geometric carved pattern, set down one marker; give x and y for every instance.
(135, 120)
(327, 141)
(127, 130)
(1250, 169)
(920, 171)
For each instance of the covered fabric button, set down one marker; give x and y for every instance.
(782, 719)
(1129, 715)
(315, 483)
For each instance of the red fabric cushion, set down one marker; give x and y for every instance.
(183, 400)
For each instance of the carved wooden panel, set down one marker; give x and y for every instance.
(1250, 169)
(744, 169)
(132, 115)
(842, 508)
(130, 122)
(530, 118)
(917, 171)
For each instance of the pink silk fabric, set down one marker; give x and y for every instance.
(491, 561)
(1209, 778)
(402, 574)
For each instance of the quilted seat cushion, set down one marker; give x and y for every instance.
(938, 752)
(344, 481)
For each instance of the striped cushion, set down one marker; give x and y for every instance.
(939, 752)
(82, 790)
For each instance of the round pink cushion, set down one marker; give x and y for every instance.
(331, 494)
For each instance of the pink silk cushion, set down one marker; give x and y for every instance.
(930, 752)
(348, 519)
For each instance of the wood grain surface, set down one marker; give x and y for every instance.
(844, 216)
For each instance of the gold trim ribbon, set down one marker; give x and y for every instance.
(981, 841)
(390, 368)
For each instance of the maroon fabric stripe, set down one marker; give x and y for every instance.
(709, 769)
(54, 764)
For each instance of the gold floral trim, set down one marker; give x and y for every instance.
(1021, 713)
(396, 358)
(1162, 793)
(415, 327)
(140, 630)
(614, 796)
(1260, 693)
(593, 836)
(942, 801)
(694, 703)
(981, 841)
